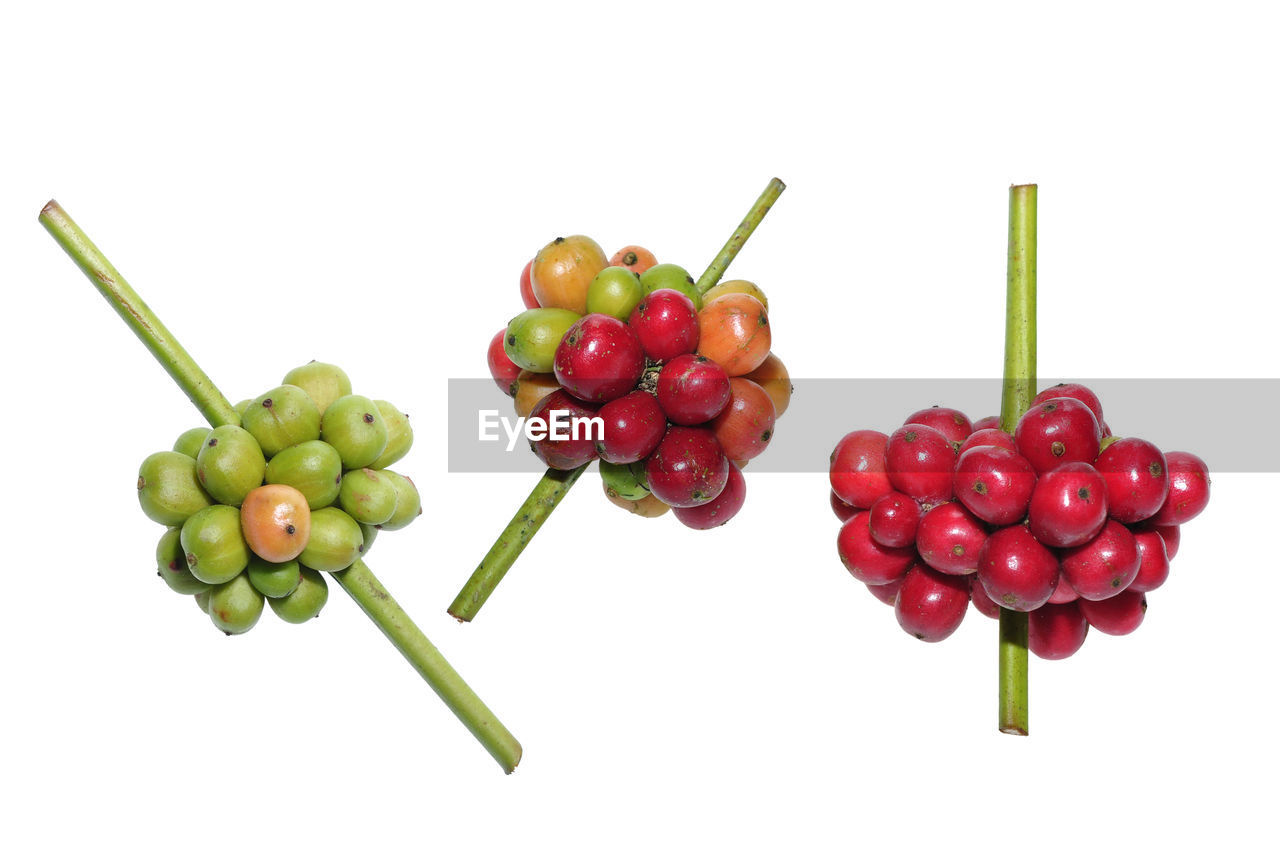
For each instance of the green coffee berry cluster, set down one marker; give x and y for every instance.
(257, 512)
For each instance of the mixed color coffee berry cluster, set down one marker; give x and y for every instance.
(1059, 519)
(682, 383)
(258, 511)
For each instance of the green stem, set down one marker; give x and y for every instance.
(361, 584)
(212, 404)
(1016, 396)
(357, 580)
(546, 494)
(553, 486)
(720, 264)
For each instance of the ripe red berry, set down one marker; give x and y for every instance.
(633, 427)
(886, 593)
(893, 520)
(1188, 489)
(1134, 473)
(1063, 593)
(1154, 567)
(981, 601)
(840, 508)
(1055, 632)
(1068, 506)
(988, 437)
(1079, 392)
(931, 605)
(1016, 570)
(504, 372)
(719, 510)
(951, 423)
(526, 287)
(688, 468)
(569, 453)
(1119, 615)
(1058, 431)
(666, 323)
(987, 422)
(1105, 565)
(692, 389)
(995, 484)
(1172, 535)
(919, 461)
(866, 559)
(599, 359)
(857, 468)
(745, 426)
(950, 539)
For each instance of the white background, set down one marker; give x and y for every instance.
(362, 184)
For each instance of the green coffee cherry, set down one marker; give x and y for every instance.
(532, 337)
(230, 464)
(242, 406)
(171, 564)
(272, 580)
(215, 547)
(353, 425)
(168, 489)
(190, 442)
(202, 599)
(306, 600)
(312, 468)
(671, 276)
(399, 435)
(408, 502)
(283, 417)
(334, 543)
(368, 496)
(615, 291)
(370, 533)
(235, 606)
(324, 382)
(627, 481)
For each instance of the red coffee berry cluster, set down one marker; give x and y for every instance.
(1059, 519)
(684, 384)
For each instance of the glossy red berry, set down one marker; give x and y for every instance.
(599, 359)
(1063, 593)
(866, 559)
(886, 593)
(987, 422)
(1055, 632)
(692, 389)
(1153, 569)
(719, 510)
(843, 510)
(1172, 535)
(504, 372)
(688, 468)
(633, 427)
(857, 468)
(1105, 565)
(1058, 431)
(981, 601)
(666, 323)
(919, 461)
(1079, 392)
(1188, 489)
(951, 423)
(988, 437)
(526, 287)
(560, 414)
(893, 520)
(1119, 615)
(1134, 473)
(1068, 506)
(931, 605)
(950, 539)
(1016, 570)
(995, 484)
